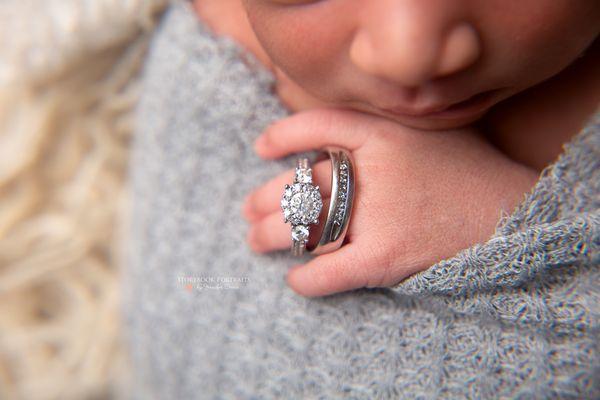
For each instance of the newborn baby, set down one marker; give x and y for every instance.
(451, 108)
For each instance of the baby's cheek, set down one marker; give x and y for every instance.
(306, 43)
(308, 62)
(533, 40)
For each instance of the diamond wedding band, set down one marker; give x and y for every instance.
(301, 203)
(340, 204)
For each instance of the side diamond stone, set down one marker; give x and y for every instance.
(300, 233)
(304, 175)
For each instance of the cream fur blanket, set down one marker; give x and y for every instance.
(67, 86)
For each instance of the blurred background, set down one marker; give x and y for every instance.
(68, 84)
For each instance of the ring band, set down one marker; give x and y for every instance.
(340, 204)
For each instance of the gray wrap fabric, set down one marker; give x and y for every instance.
(514, 317)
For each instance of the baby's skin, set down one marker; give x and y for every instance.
(432, 99)
(420, 196)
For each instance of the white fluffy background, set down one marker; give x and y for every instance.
(68, 83)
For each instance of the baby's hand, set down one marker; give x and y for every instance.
(421, 196)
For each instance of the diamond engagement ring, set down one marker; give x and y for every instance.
(301, 204)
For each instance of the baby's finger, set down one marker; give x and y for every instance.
(312, 130)
(271, 233)
(330, 273)
(268, 234)
(266, 199)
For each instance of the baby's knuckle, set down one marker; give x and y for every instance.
(271, 134)
(361, 275)
(377, 261)
(322, 277)
(253, 238)
(319, 119)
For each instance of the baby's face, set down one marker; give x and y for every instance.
(430, 64)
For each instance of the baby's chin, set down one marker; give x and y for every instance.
(438, 124)
(435, 123)
(297, 98)
(458, 116)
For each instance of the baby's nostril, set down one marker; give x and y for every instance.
(462, 48)
(361, 52)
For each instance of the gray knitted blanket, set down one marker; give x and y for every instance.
(205, 317)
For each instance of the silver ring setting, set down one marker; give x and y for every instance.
(301, 204)
(340, 204)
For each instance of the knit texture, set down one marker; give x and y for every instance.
(514, 317)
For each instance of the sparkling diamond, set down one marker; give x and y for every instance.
(300, 232)
(303, 205)
(304, 175)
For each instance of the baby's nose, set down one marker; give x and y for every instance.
(411, 42)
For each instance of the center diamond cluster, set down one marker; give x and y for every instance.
(301, 203)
